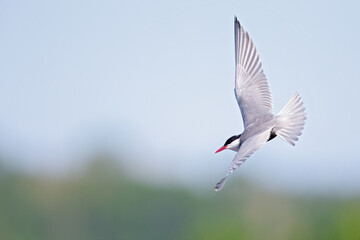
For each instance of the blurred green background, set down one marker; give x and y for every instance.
(101, 202)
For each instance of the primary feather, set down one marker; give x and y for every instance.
(247, 148)
(251, 88)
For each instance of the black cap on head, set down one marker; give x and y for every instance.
(230, 140)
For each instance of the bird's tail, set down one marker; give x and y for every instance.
(291, 120)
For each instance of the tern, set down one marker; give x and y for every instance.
(254, 98)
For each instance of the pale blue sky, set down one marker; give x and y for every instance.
(153, 81)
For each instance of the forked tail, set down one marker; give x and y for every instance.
(291, 120)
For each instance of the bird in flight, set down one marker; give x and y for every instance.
(254, 98)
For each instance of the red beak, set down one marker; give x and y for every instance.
(220, 149)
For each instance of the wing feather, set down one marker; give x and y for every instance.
(246, 149)
(251, 87)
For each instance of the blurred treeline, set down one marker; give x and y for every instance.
(102, 203)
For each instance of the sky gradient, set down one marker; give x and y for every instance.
(153, 82)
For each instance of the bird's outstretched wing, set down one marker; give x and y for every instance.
(246, 149)
(251, 88)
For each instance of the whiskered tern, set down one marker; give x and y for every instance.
(254, 98)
